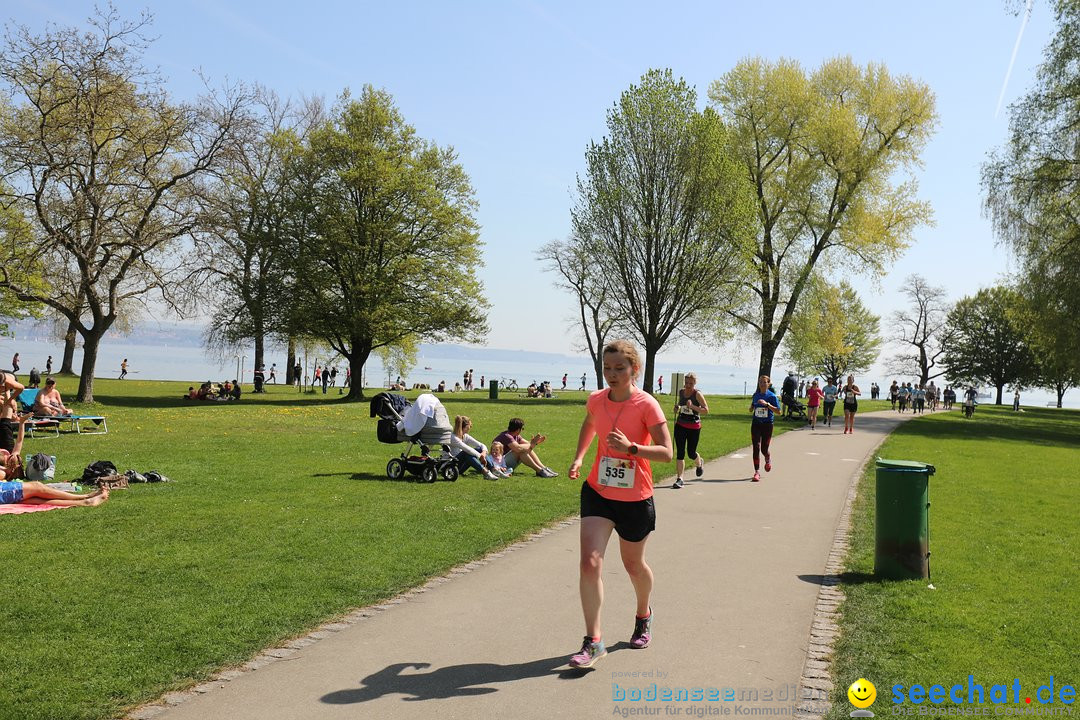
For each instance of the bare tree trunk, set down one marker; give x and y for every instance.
(290, 363)
(70, 337)
(357, 360)
(650, 369)
(768, 352)
(1060, 393)
(91, 343)
(356, 385)
(260, 339)
(1000, 389)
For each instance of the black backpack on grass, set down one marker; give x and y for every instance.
(97, 470)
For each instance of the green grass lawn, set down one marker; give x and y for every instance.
(279, 517)
(1004, 534)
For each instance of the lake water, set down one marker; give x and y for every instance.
(192, 364)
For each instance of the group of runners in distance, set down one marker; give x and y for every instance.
(617, 494)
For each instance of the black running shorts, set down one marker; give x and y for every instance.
(633, 520)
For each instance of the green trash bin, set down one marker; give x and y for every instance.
(902, 529)
(493, 389)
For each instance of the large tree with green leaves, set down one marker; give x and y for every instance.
(1032, 183)
(14, 236)
(823, 151)
(388, 247)
(250, 238)
(104, 168)
(665, 214)
(832, 333)
(1053, 335)
(986, 343)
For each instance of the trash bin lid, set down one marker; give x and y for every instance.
(906, 466)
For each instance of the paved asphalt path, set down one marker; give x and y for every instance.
(737, 566)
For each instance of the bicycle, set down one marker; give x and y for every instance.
(508, 383)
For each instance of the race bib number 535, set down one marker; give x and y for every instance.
(616, 472)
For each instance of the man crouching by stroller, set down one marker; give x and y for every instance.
(522, 451)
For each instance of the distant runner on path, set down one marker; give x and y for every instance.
(618, 493)
(690, 405)
(762, 406)
(850, 393)
(123, 370)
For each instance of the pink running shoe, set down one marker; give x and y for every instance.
(768, 464)
(589, 653)
(757, 478)
(642, 632)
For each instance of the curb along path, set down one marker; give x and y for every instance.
(745, 598)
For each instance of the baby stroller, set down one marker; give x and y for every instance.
(792, 407)
(424, 423)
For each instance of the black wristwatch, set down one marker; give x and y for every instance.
(633, 449)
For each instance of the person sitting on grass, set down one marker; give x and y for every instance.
(49, 403)
(522, 451)
(235, 392)
(13, 490)
(469, 451)
(497, 460)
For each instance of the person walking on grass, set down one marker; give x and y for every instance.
(631, 431)
(762, 406)
(850, 393)
(123, 369)
(48, 366)
(690, 405)
(813, 400)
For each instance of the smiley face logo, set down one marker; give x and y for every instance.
(862, 693)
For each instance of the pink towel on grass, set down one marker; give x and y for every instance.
(18, 508)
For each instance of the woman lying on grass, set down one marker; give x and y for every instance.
(14, 491)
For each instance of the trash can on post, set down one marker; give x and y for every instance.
(902, 528)
(493, 389)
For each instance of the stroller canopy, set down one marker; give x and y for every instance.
(388, 406)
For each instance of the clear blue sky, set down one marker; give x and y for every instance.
(520, 88)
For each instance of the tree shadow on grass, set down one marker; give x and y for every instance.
(453, 680)
(406, 478)
(1048, 427)
(248, 400)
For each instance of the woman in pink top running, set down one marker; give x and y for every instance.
(813, 400)
(617, 495)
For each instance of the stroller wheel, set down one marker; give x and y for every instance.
(450, 473)
(395, 469)
(429, 475)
